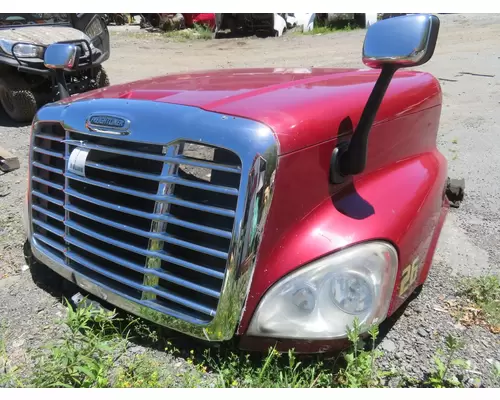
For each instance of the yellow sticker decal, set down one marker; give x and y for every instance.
(409, 276)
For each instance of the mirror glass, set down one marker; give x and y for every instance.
(61, 56)
(404, 41)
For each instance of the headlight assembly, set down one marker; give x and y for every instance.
(25, 50)
(21, 50)
(319, 300)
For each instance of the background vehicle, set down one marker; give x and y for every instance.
(263, 24)
(270, 205)
(363, 20)
(117, 19)
(25, 82)
(207, 19)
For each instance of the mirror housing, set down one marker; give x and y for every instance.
(415, 38)
(62, 56)
(390, 44)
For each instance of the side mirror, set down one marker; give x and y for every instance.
(61, 56)
(390, 44)
(405, 41)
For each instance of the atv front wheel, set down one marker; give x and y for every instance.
(101, 79)
(17, 99)
(119, 19)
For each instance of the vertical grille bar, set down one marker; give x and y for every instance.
(66, 197)
(164, 188)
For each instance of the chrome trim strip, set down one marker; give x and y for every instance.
(49, 242)
(143, 270)
(49, 137)
(51, 214)
(171, 179)
(48, 152)
(48, 227)
(147, 310)
(142, 287)
(146, 253)
(143, 214)
(179, 159)
(47, 198)
(168, 124)
(47, 183)
(151, 234)
(48, 168)
(159, 197)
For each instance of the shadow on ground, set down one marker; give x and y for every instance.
(6, 122)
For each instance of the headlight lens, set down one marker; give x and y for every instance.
(24, 50)
(6, 46)
(21, 50)
(321, 299)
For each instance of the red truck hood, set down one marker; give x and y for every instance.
(303, 106)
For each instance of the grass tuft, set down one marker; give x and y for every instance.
(482, 295)
(93, 352)
(331, 27)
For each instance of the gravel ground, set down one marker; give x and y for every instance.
(466, 61)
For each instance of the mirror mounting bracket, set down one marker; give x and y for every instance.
(61, 84)
(335, 174)
(351, 159)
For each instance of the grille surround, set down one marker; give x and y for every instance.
(257, 149)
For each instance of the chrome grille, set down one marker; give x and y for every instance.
(153, 223)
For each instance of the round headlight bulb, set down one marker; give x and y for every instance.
(351, 293)
(304, 299)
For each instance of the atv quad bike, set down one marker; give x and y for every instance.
(25, 82)
(266, 206)
(117, 19)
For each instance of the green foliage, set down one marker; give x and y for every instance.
(330, 28)
(496, 371)
(276, 370)
(86, 353)
(197, 32)
(360, 370)
(326, 27)
(484, 291)
(142, 371)
(443, 361)
(92, 352)
(8, 376)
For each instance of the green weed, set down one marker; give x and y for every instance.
(360, 370)
(142, 371)
(87, 351)
(496, 371)
(483, 294)
(443, 361)
(331, 27)
(92, 352)
(198, 32)
(276, 370)
(9, 374)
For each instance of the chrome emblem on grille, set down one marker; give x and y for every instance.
(108, 124)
